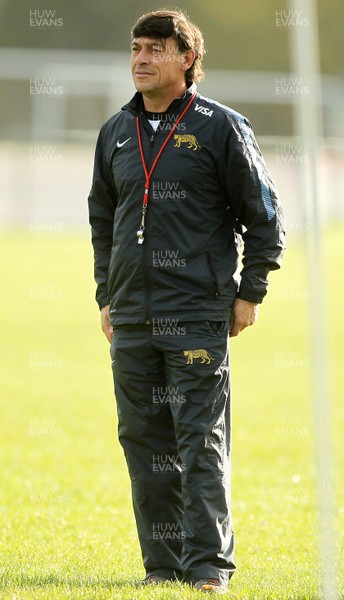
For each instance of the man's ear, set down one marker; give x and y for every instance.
(188, 58)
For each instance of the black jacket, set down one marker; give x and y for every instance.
(210, 180)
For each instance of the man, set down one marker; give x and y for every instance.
(176, 176)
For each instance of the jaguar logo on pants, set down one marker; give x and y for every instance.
(190, 140)
(201, 353)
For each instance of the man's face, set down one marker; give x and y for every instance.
(156, 65)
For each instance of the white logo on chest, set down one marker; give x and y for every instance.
(204, 110)
(120, 144)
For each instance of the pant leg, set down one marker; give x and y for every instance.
(146, 433)
(197, 364)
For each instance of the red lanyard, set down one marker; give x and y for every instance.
(140, 233)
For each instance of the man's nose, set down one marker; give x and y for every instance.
(142, 57)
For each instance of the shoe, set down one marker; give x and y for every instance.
(213, 586)
(153, 580)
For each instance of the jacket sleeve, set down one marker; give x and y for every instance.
(101, 204)
(254, 202)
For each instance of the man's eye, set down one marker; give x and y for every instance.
(157, 49)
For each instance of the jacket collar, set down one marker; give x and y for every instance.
(136, 107)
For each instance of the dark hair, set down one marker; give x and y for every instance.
(163, 24)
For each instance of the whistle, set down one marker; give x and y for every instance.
(140, 237)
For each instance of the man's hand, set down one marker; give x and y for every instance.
(105, 320)
(244, 313)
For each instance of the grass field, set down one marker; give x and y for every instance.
(67, 528)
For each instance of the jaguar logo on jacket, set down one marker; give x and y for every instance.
(188, 139)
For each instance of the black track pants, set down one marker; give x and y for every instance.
(173, 402)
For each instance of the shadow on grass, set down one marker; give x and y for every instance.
(41, 581)
(37, 581)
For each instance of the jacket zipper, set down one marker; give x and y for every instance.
(145, 250)
(213, 277)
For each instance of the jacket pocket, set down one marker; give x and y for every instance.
(218, 327)
(212, 276)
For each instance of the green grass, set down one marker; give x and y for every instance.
(67, 528)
